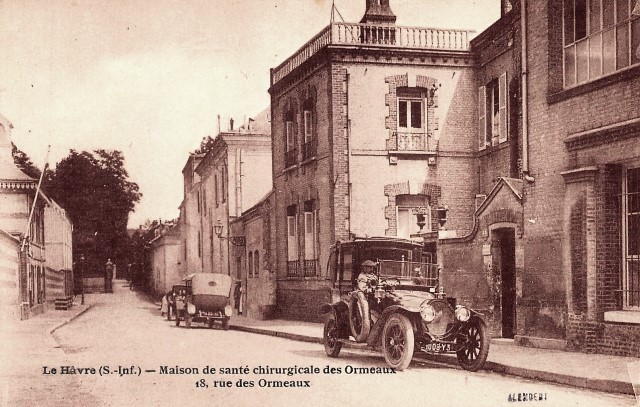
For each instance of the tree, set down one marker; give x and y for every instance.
(22, 161)
(95, 190)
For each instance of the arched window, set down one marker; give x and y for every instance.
(250, 264)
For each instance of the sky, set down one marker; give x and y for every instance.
(150, 77)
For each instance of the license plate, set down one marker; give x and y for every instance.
(437, 347)
(207, 314)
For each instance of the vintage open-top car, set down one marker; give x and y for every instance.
(206, 299)
(387, 294)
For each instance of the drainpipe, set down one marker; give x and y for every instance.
(525, 93)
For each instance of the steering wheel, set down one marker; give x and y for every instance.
(390, 282)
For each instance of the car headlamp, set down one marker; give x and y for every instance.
(462, 313)
(427, 312)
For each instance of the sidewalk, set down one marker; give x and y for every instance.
(596, 372)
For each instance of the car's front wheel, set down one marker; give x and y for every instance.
(398, 341)
(475, 345)
(332, 345)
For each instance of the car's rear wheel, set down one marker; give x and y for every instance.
(332, 345)
(398, 341)
(225, 323)
(475, 345)
(359, 319)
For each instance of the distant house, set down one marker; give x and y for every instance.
(58, 238)
(167, 266)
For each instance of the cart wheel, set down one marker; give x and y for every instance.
(225, 323)
(187, 320)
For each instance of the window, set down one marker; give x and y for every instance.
(223, 184)
(250, 264)
(256, 264)
(492, 113)
(631, 238)
(410, 114)
(204, 202)
(199, 202)
(199, 244)
(292, 241)
(600, 37)
(308, 126)
(413, 215)
(215, 187)
(310, 239)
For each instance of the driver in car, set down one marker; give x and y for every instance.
(367, 273)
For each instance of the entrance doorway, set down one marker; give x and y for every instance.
(504, 254)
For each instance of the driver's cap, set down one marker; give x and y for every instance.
(368, 263)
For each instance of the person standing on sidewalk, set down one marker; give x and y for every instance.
(108, 288)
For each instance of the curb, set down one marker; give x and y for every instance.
(607, 386)
(65, 322)
(279, 334)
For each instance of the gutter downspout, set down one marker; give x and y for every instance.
(525, 93)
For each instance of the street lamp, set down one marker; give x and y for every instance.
(235, 240)
(82, 278)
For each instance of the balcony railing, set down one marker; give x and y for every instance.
(376, 35)
(311, 268)
(293, 269)
(414, 142)
(309, 149)
(291, 158)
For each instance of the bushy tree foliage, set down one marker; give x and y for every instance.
(95, 189)
(22, 161)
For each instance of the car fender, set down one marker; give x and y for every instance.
(376, 330)
(341, 311)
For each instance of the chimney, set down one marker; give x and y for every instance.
(231, 124)
(378, 12)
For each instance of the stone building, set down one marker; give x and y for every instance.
(372, 124)
(581, 211)
(25, 289)
(58, 240)
(229, 175)
(251, 259)
(167, 262)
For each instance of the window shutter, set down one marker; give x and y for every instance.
(290, 136)
(292, 244)
(502, 90)
(308, 126)
(482, 118)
